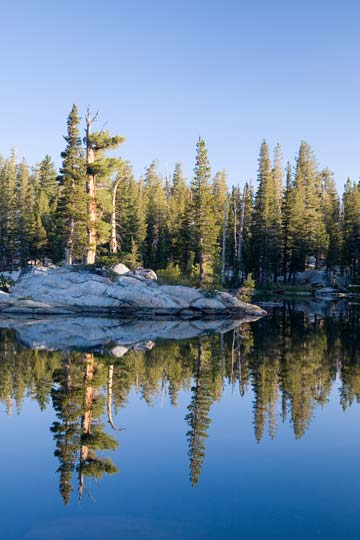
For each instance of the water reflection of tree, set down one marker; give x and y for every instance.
(198, 416)
(79, 434)
(290, 361)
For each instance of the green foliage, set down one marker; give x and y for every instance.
(130, 212)
(71, 210)
(249, 282)
(6, 283)
(132, 259)
(177, 227)
(172, 275)
(266, 225)
(107, 260)
(351, 229)
(156, 243)
(205, 227)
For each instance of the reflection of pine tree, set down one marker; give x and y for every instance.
(291, 359)
(78, 432)
(67, 396)
(264, 362)
(266, 394)
(197, 418)
(93, 438)
(24, 373)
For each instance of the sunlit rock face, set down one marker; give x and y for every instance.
(69, 290)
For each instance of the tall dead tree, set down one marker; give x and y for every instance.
(113, 236)
(97, 143)
(91, 191)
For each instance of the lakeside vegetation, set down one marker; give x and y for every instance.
(196, 231)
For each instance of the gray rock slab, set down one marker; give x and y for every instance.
(78, 290)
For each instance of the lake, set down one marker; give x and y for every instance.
(253, 433)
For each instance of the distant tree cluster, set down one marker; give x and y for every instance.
(96, 211)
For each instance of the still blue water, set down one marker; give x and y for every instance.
(252, 435)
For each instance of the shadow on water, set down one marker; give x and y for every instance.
(289, 361)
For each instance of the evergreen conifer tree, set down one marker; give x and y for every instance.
(204, 217)
(157, 232)
(99, 168)
(265, 218)
(178, 205)
(8, 212)
(71, 211)
(330, 204)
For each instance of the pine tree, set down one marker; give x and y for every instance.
(248, 202)
(275, 226)
(47, 179)
(71, 211)
(221, 208)
(46, 188)
(287, 240)
(312, 229)
(185, 244)
(330, 204)
(99, 168)
(204, 217)
(8, 213)
(129, 211)
(25, 224)
(233, 213)
(265, 220)
(219, 192)
(157, 232)
(351, 228)
(178, 203)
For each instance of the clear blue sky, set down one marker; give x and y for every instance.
(161, 73)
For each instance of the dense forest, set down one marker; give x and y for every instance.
(199, 231)
(289, 362)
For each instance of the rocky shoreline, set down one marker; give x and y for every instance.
(119, 293)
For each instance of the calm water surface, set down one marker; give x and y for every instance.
(253, 434)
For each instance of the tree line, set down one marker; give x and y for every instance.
(95, 211)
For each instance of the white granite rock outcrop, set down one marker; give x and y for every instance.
(68, 290)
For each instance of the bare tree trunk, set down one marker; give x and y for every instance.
(91, 191)
(110, 396)
(113, 239)
(285, 256)
(87, 415)
(235, 233)
(201, 262)
(241, 240)
(70, 244)
(223, 253)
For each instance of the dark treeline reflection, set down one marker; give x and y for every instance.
(289, 361)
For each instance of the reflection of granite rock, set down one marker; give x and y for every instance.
(69, 290)
(65, 333)
(330, 292)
